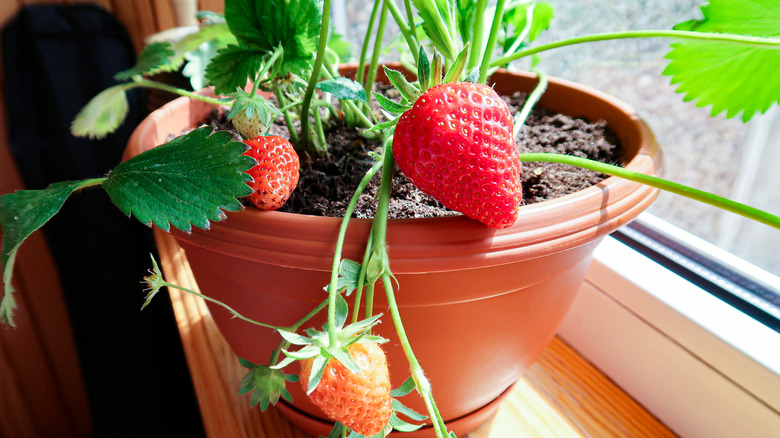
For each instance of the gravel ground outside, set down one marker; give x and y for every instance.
(699, 150)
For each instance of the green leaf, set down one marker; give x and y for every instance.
(402, 426)
(265, 25)
(731, 77)
(390, 106)
(346, 359)
(154, 58)
(466, 18)
(455, 70)
(199, 48)
(349, 276)
(409, 92)
(216, 32)
(188, 180)
(232, 67)
(340, 46)
(294, 338)
(436, 22)
(473, 76)
(343, 88)
(408, 412)
(21, 214)
(423, 70)
(337, 430)
(247, 363)
(382, 126)
(103, 113)
(317, 369)
(542, 15)
(266, 386)
(342, 311)
(361, 326)
(405, 389)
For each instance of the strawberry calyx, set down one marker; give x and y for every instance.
(316, 344)
(252, 114)
(265, 384)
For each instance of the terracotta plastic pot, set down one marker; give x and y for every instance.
(479, 305)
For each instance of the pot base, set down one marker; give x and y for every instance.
(461, 426)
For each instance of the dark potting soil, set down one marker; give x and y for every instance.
(327, 185)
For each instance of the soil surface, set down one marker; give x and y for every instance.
(326, 186)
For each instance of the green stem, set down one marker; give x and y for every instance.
(319, 130)
(294, 328)
(380, 252)
(380, 32)
(413, 28)
(488, 54)
(220, 303)
(278, 52)
(529, 20)
(156, 85)
(660, 183)
(421, 382)
(478, 36)
(349, 107)
(315, 74)
(364, 48)
(410, 34)
(287, 118)
(91, 183)
(713, 37)
(361, 282)
(334, 272)
(531, 101)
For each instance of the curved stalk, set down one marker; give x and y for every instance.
(334, 273)
(380, 252)
(225, 306)
(683, 34)
(488, 54)
(364, 48)
(156, 85)
(407, 30)
(531, 101)
(529, 20)
(315, 73)
(380, 32)
(478, 35)
(660, 183)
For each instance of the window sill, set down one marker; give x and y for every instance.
(701, 366)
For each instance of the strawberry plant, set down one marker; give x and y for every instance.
(449, 133)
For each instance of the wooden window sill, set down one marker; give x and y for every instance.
(562, 395)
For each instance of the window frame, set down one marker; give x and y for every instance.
(701, 365)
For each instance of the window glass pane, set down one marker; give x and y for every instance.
(724, 156)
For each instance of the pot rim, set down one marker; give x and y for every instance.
(434, 244)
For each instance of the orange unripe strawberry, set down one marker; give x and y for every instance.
(276, 173)
(360, 401)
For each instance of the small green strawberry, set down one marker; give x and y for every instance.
(251, 114)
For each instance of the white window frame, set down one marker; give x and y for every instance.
(701, 366)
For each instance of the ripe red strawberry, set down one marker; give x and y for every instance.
(276, 173)
(360, 401)
(457, 144)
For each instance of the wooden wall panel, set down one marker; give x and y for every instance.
(42, 392)
(217, 6)
(42, 388)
